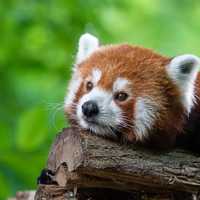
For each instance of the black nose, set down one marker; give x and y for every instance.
(90, 109)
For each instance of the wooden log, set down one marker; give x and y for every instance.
(81, 160)
(25, 195)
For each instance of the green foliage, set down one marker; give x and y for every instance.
(38, 41)
(32, 129)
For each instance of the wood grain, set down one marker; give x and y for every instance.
(81, 160)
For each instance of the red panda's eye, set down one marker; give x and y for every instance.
(89, 85)
(121, 96)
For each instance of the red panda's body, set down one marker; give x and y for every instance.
(135, 91)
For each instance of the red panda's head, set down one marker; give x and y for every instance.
(129, 89)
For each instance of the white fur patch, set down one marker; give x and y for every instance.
(87, 45)
(73, 87)
(96, 75)
(145, 115)
(185, 80)
(109, 113)
(120, 84)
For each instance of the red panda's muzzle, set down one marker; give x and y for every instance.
(90, 109)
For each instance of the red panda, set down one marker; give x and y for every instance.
(134, 92)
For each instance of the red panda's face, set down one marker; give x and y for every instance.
(103, 107)
(124, 88)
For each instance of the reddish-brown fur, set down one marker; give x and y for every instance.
(147, 72)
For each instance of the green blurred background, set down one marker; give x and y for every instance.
(38, 42)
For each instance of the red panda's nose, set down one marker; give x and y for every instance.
(90, 109)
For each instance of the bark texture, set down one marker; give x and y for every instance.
(81, 166)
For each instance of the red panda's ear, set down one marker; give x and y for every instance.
(87, 45)
(183, 68)
(183, 71)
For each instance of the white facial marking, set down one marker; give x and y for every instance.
(145, 115)
(87, 45)
(183, 71)
(96, 75)
(73, 87)
(109, 113)
(120, 84)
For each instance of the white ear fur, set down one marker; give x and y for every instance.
(87, 45)
(183, 71)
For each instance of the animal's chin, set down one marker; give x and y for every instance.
(100, 129)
